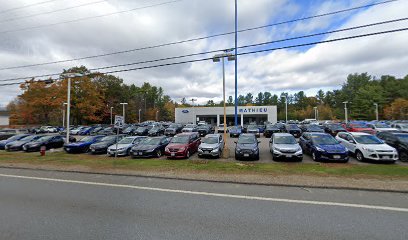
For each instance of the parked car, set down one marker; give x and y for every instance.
(270, 130)
(96, 130)
(123, 146)
(12, 139)
(281, 127)
(401, 127)
(398, 140)
(18, 145)
(189, 128)
(173, 129)
(323, 146)
(367, 146)
(247, 147)
(203, 130)
(254, 130)
(235, 131)
(75, 131)
(7, 133)
(102, 145)
(130, 130)
(285, 146)
(358, 127)
(221, 128)
(183, 145)
(293, 129)
(311, 128)
(150, 147)
(48, 142)
(156, 131)
(45, 129)
(86, 131)
(83, 144)
(212, 145)
(334, 129)
(142, 131)
(381, 127)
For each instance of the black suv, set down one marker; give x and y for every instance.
(247, 147)
(398, 140)
(293, 129)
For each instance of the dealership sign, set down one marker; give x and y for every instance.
(253, 110)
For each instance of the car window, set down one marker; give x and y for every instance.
(284, 140)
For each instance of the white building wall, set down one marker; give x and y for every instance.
(189, 115)
(4, 120)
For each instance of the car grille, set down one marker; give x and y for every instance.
(287, 151)
(173, 149)
(336, 151)
(385, 151)
(207, 149)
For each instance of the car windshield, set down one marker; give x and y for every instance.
(314, 128)
(126, 141)
(252, 127)
(180, 139)
(210, 140)
(336, 127)
(292, 126)
(284, 140)
(45, 138)
(246, 139)
(173, 126)
(141, 129)
(16, 137)
(128, 129)
(271, 127)
(202, 127)
(367, 139)
(381, 125)
(324, 140)
(151, 141)
(108, 138)
(29, 138)
(87, 139)
(359, 126)
(403, 137)
(235, 128)
(155, 129)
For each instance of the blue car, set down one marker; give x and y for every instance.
(86, 131)
(12, 139)
(323, 147)
(235, 131)
(82, 145)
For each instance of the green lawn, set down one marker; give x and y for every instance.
(61, 159)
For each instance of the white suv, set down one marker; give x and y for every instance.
(367, 146)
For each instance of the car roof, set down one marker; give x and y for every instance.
(186, 133)
(358, 133)
(247, 134)
(213, 135)
(282, 134)
(318, 133)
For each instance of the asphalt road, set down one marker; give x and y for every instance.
(52, 205)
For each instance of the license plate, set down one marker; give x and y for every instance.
(140, 153)
(336, 157)
(173, 154)
(288, 155)
(386, 157)
(246, 155)
(93, 150)
(68, 149)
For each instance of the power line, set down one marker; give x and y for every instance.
(27, 6)
(218, 50)
(92, 17)
(194, 39)
(50, 12)
(241, 54)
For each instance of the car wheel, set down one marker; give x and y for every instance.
(257, 157)
(188, 154)
(359, 156)
(236, 157)
(158, 153)
(314, 156)
(403, 156)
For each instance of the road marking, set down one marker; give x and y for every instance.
(283, 200)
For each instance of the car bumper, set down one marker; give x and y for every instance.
(143, 154)
(13, 149)
(98, 150)
(248, 155)
(119, 153)
(176, 154)
(280, 155)
(202, 153)
(75, 150)
(333, 156)
(382, 157)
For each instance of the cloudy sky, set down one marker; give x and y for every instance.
(34, 34)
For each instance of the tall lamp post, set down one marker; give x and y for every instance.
(139, 114)
(286, 108)
(315, 112)
(345, 111)
(123, 108)
(217, 58)
(63, 114)
(111, 115)
(69, 76)
(376, 111)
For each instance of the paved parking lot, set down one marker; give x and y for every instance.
(266, 156)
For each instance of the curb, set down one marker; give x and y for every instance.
(209, 181)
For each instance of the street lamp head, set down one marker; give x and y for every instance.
(216, 59)
(124, 103)
(71, 75)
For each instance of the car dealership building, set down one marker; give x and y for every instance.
(215, 115)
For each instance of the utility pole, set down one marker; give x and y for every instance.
(376, 111)
(345, 111)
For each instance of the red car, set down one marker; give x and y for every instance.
(358, 127)
(183, 145)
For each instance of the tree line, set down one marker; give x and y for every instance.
(360, 90)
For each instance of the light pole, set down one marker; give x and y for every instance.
(286, 108)
(123, 107)
(63, 114)
(111, 115)
(236, 64)
(157, 115)
(345, 111)
(217, 58)
(68, 76)
(376, 111)
(315, 112)
(139, 114)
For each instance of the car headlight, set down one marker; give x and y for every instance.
(167, 149)
(320, 149)
(255, 149)
(368, 149)
(150, 150)
(215, 149)
(182, 149)
(276, 149)
(238, 149)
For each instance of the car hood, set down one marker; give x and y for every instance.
(331, 148)
(120, 146)
(207, 145)
(377, 147)
(3, 142)
(17, 143)
(103, 144)
(386, 129)
(77, 144)
(253, 130)
(176, 145)
(246, 145)
(170, 129)
(235, 130)
(144, 147)
(363, 129)
(34, 143)
(287, 146)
